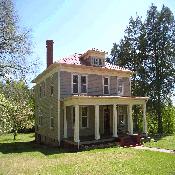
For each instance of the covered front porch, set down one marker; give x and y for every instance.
(95, 118)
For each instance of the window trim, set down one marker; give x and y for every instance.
(84, 117)
(72, 84)
(79, 83)
(120, 94)
(106, 85)
(86, 84)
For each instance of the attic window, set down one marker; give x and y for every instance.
(97, 61)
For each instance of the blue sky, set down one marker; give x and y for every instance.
(79, 25)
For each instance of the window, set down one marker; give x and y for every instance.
(106, 85)
(97, 61)
(100, 62)
(84, 117)
(83, 84)
(75, 84)
(51, 117)
(79, 84)
(51, 90)
(120, 87)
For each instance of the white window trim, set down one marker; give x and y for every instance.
(120, 94)
(106, 85)
(72, 83)
(51, 117)
(86, 83)
(79, 83)
(84, 116)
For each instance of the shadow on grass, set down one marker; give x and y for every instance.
(21, 147)
(158, 137)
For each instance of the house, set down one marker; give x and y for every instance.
(82, 97)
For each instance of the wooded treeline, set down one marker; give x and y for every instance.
(16, 102)
(148, 49)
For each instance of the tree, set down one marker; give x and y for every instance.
(148, 48)
(17, 108)
(15, 44)
(16, 103)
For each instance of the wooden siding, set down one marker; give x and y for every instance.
(65, 84)
(95, 85)
(45, 103)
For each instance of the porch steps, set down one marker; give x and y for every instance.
(130, 141)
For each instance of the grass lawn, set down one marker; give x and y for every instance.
(25, 157)
(167, 142)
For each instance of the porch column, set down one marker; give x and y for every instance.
(76, 127)
(130, 121)
(65, 123)
(97, 132)
(114, 121)
(144, 120)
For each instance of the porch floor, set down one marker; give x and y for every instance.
(90, 140)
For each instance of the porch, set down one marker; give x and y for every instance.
(92, 119)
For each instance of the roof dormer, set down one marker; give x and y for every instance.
(93, 57)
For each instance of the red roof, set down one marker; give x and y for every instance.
(74, 59)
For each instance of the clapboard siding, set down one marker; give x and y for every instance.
(44, 104)
(65, 84)
(126, 83)
(95, 85)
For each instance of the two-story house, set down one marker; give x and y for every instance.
(83, 97)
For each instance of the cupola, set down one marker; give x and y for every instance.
(93, 57)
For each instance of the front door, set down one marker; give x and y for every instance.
(106, 114)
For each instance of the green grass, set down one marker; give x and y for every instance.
(167, 142)
(25, 157)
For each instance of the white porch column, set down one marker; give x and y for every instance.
(114, 121)
(130, 121)
(76, 127)
(65, 123)
(97, 126)
(144, 120)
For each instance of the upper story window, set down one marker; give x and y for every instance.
(83, 84)
(120, 86)
(106, 85)
(84, 117)
(75, 84)
(79, 84)
(97, 61)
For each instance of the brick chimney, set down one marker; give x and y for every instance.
(49, 52)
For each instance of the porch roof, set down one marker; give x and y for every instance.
(103, 100)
